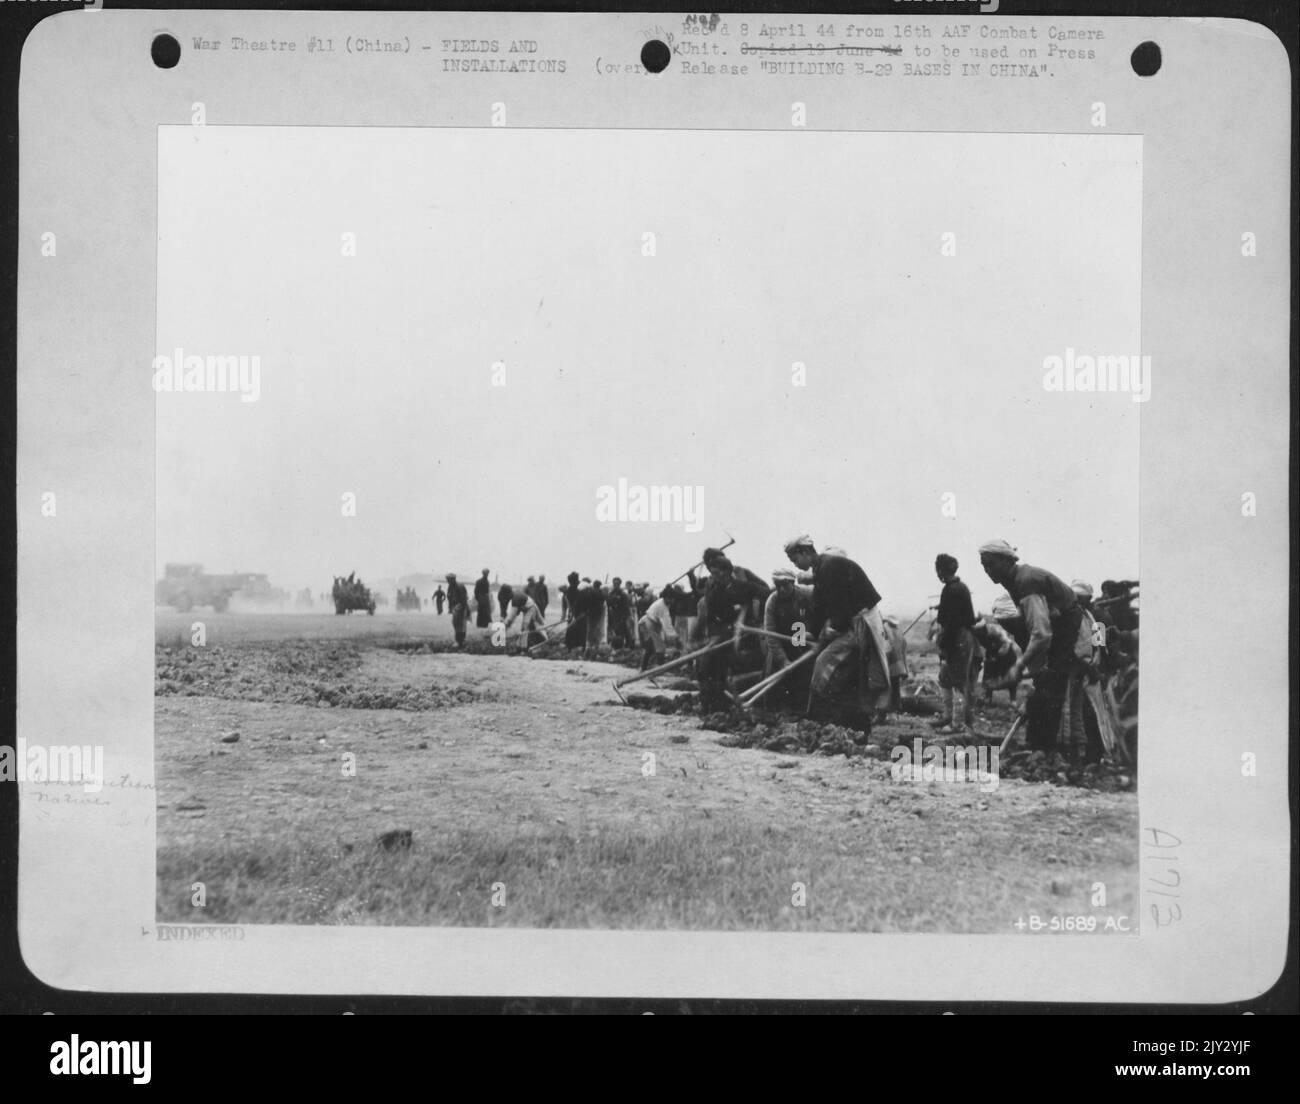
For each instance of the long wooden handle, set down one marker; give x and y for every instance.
(756, 692)
(916, 619)
(766, 632)
(544, 630)
(673, 664)
(1011, 732)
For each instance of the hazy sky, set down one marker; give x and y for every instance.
(924, 371)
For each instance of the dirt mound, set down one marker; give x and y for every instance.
(1040, 766)
(781, 732)
(775, 732)
(302, 672)
(663, 703)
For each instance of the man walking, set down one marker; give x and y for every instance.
(439, 599)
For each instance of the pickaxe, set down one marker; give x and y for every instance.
(730, 541)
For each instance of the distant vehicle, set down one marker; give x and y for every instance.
(352, 594)
(407, 599)
(186, 586)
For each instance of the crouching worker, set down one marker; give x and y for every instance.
(1001, 654)
(654, 629)
(529, 615)
(850, 679)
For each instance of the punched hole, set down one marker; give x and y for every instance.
(165, 51)
(655, 56)
(1146, 59)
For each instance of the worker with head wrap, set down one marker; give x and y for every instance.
(956, 641)
(1052, 620)
(787, 611)
(848, 637)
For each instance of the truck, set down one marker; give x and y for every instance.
(187, 586)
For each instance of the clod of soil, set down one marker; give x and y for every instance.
(1041, 766)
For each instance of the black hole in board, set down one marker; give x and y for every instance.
(165, 51)
(655, 56)
(1146, 60)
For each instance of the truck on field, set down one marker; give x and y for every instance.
(188, 586)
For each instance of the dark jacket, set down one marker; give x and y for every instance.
(841, 590)
(955, 613)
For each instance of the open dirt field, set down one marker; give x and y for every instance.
(533, 797)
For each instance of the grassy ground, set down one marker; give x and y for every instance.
(728, 875)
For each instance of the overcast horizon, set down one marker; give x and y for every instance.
(525, 248)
